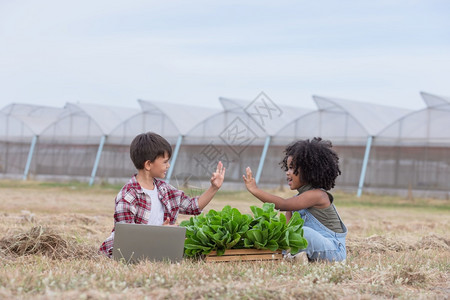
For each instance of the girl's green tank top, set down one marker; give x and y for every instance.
(327, 216)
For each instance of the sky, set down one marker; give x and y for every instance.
(115, 52)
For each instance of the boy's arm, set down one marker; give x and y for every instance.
(216, 182)
(125, 209)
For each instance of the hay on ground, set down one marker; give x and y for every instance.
(43, 241)
(381, 244)
(374, 244)
(433, 241)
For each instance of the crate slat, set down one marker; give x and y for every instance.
(244, 252)
(244, 255)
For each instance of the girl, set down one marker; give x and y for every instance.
(311, 168)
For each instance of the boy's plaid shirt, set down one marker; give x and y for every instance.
(133, 206)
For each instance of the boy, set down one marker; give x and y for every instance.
(148, 200)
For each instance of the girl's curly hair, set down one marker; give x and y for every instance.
(315, 161)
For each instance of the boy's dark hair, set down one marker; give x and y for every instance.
(315, 161)
(148, 146)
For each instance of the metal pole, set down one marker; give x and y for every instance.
(97, 159)
(364, 166)
(261, 160)
(174, 158)
(30, 157)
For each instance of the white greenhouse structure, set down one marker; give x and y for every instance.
(382, 149)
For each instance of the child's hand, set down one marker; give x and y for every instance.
(249, 181)
(167, 222)
(218, 176)
(288, 216)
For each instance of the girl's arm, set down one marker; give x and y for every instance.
(316, 198)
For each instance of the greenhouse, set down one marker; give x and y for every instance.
(413, 153)
(172, 121)
(239, 136)
(350, 125)
(382, 149)
(20, 127)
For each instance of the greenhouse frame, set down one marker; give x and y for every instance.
(382, 149)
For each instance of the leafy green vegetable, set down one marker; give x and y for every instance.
(229, 229)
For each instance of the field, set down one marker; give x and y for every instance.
(50, 233)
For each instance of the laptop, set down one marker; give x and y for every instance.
(136, 242)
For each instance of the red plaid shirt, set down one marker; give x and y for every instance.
(133, 206)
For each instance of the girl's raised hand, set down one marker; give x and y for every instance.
(249, 181)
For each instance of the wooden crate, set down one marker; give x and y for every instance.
(244, 255)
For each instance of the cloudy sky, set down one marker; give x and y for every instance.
(115, 52)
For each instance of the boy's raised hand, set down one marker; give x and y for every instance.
(249, 181)
(216, 182)
(218, 176)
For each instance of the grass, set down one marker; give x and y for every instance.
(392, 202)
(397, 248)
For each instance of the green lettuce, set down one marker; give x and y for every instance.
(229, 229)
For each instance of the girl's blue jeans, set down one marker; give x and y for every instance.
(323, 243)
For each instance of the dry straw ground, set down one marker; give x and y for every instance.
(50, 233)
